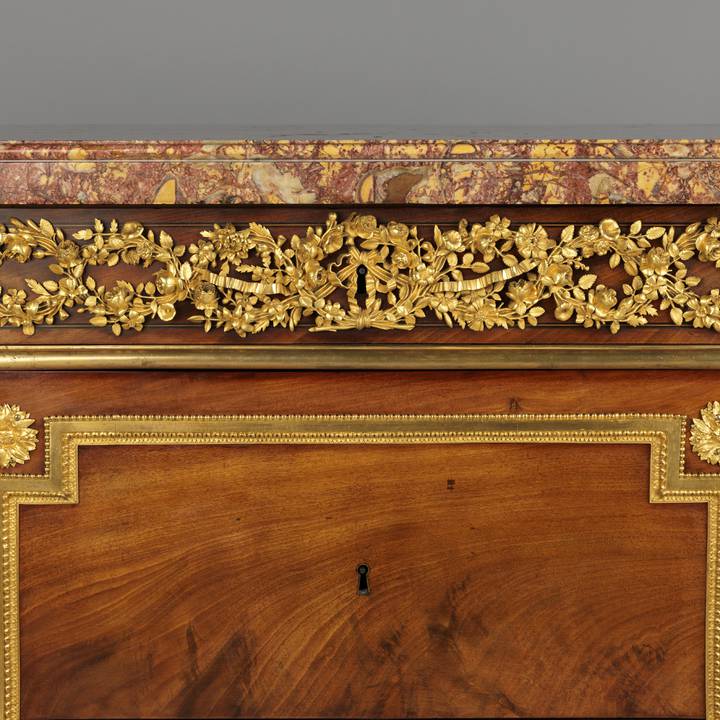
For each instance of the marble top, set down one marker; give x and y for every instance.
(337, 171)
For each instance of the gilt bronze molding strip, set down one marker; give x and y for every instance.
(380, 356)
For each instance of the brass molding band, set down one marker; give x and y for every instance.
(380, 356)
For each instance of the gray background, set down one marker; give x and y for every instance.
(213, 68)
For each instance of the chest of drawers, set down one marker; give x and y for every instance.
(385, 448)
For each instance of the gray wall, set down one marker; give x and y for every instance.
(179, 67)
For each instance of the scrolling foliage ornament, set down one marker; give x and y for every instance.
(359, 273)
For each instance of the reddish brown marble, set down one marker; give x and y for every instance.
(361, 171)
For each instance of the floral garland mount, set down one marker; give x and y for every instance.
(360, 273)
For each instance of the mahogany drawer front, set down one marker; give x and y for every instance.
(360, 465)
(516, 566)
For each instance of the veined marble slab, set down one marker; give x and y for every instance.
(338, 171)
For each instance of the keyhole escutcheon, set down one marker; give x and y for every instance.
(361, 280)
(363, 571)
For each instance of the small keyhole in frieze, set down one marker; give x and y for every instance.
(363, 584)
(361, 280)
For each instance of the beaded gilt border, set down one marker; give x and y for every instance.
(664, 434)
(360, 273)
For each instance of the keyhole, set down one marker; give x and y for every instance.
(361, 280)
(363, 585)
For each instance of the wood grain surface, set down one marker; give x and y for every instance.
(222, 582)
(513, 580)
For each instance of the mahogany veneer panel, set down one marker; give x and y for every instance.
(220, 581)
(45, 394)
(196, 582)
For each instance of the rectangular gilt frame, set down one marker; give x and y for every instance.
(664, 434)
